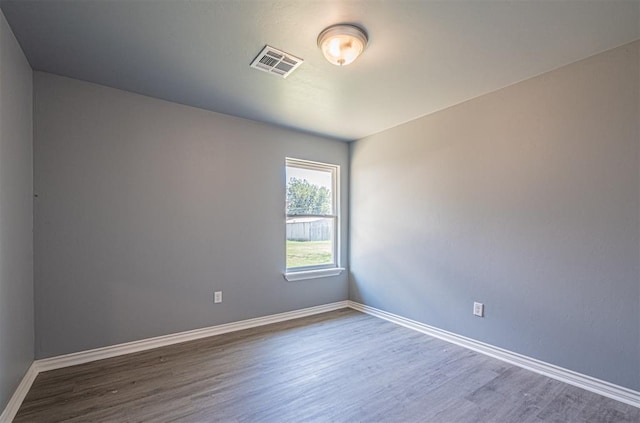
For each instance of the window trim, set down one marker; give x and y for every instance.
(312, 274)
(323, 270)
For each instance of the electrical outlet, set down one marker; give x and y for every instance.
(217, 297)
(478, 309)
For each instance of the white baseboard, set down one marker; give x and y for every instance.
(20, 393)
(176, 338)
(588, 383)
(146, 344)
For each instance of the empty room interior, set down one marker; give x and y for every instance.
(319, 211)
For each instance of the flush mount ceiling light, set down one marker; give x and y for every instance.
(342, 44)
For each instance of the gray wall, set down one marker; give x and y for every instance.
(525, 199)
(146, 207)
(16, 215)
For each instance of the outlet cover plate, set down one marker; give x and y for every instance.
(478, 309)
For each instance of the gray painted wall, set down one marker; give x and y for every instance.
(525, 199)
(16, 215)
(146, 207)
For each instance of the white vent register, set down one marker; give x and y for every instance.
(276, 62)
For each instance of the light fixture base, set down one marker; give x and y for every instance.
(341, 44)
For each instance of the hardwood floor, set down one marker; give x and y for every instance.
(342, 366)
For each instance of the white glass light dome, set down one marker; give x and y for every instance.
(342, 44)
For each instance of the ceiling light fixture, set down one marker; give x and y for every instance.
(342, 44)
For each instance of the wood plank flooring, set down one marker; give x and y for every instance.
(342, 366)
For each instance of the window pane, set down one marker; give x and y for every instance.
(310, 241)
(309, 191)
(312, 221)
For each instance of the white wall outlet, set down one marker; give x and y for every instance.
(478, 309)
(217, 297)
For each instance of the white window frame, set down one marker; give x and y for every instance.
(323, 270)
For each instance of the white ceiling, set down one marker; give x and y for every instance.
(423, 56)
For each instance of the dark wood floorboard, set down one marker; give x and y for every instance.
(342, 366)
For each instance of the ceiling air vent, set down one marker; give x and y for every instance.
(276, 62)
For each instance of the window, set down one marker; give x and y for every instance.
(312, 229)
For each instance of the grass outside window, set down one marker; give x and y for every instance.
(309, 253)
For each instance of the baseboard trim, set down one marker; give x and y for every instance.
(82, 357)
(588, 383)
(176, 338)
(19, 394)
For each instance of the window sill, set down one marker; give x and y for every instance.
(313, 274)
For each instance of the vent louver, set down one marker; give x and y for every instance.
(276, 62)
